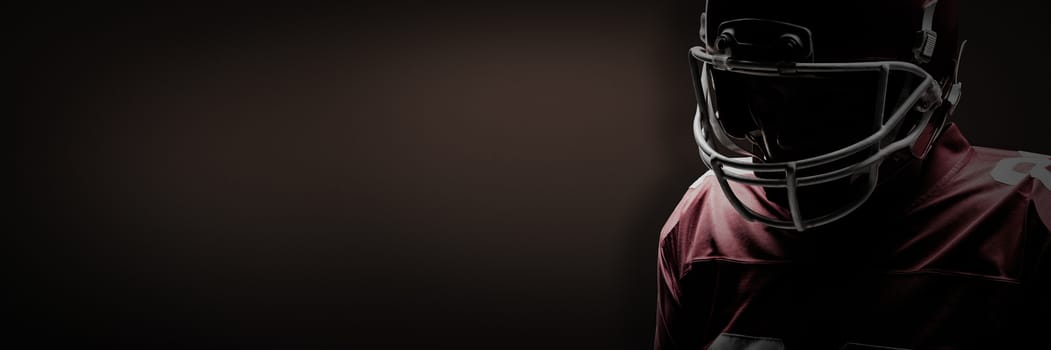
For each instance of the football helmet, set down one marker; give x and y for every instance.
(808, 99)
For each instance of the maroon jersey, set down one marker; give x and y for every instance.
(956, 257)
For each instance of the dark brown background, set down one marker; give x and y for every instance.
(399, 176)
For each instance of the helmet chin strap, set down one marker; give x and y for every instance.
(938, 122)
(923, 52)
(923, 145)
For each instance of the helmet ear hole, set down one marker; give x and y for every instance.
(792, 44)
(726, 40)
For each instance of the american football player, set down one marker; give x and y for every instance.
(842, 209)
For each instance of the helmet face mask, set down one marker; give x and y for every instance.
(774, 112)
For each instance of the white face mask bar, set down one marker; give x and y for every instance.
(925, 98)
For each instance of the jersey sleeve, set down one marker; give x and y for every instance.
(668, 303)
(677, 321)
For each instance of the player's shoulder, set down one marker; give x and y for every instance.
(705, 226)
(1025, 172)
(1019, 174)
(705, 215)
(990, 156)
(690, 204)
